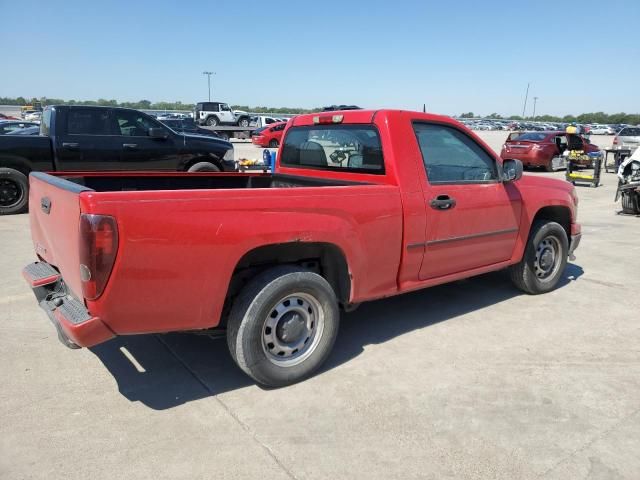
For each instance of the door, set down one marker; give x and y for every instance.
(472, 216)
(226, 115)
(87, 141)
(139, 151)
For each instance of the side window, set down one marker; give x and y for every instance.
(450, 156)
(88, 121)
(224, 107)
(133, 124)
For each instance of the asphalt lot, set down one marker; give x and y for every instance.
(467, 380)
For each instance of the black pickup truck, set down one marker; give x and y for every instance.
(79, 138)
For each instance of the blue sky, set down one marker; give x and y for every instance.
(454, 56)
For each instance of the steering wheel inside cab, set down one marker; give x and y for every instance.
(341, 154)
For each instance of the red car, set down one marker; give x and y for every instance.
(269, 136)
(362, 205)
(537, 149)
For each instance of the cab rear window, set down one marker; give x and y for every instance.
(355, 148)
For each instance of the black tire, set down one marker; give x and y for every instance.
(548, 167)
(243, 122)
(273, 143)
(529, 275)
(14, 192)
(203, 167)
(213, 121)
(253, 310)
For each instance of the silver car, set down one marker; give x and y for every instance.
(627, 139)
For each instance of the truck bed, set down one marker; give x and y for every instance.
(145, 181)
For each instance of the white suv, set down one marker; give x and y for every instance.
(218, 113)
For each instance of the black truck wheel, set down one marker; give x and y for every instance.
(273, 143)
(203, 167)
(243, 122)
(213, 121)
(283, 325)
(14, 191)
(544, 259)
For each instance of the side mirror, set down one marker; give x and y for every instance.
(157, 132)
(511, 170)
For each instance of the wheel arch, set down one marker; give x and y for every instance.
(17, 163)
(555, 213)
(210, 159)
(326, 259)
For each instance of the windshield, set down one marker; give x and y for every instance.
(333, 147)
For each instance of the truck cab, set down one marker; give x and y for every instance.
(218, 113)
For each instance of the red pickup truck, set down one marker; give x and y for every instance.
(362, 205)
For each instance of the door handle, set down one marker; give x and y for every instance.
(129, 146)
(442, 202)
(70, 145)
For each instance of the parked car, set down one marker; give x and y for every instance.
(77, 138)
(601, 130)
(537, 149)
(27, 131)
(269, 136)
(260, 121)
(33, 116)
(362, 205)
(628, 139)
(218, 113)
(7, 117)
(11, 127)
(187, 125)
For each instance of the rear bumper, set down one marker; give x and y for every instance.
(76, 327)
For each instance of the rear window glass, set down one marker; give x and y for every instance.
(630, 132)
(354, 148)
(531, 136)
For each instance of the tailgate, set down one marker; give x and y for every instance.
(54, 213)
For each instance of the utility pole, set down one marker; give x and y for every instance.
(208, 74)
(526, 96)
(424, 108)
(535, 100)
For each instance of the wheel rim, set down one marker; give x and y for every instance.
(548, 258)
(292, 330)
(10, 193)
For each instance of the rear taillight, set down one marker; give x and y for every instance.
(98, 247)
(615, 140)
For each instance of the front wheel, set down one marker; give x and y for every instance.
(203, 167)
(544, 259)
(244, 122)
(273, 143)
(14, 191)
(283, 325)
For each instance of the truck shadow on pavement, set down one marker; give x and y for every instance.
(164, 371)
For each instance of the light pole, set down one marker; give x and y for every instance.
(526, 95)
(208, 74)
(535, 100)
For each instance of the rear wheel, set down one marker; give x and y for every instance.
(212, 121)
(544, 259)
(14, 191)
(273, 143)
(283, 325)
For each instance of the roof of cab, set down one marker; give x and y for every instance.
(368, 116)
